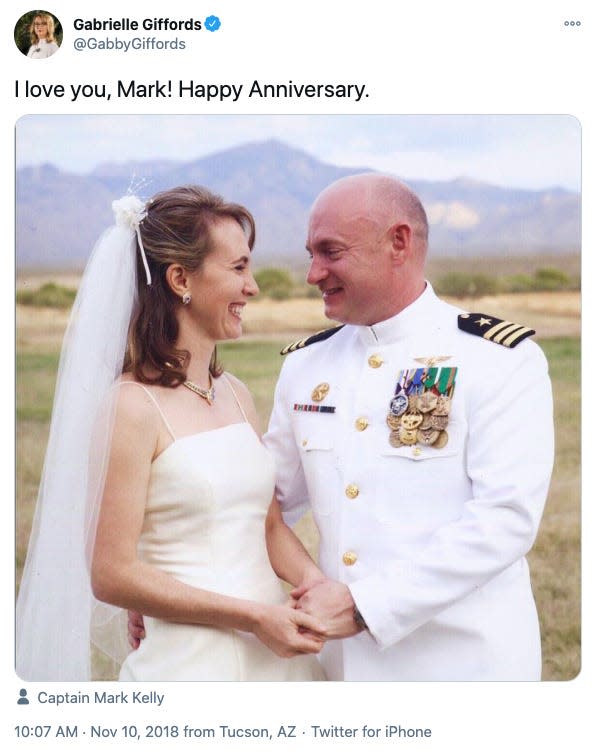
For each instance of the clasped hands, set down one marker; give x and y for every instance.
(329, 601)
(325, 599)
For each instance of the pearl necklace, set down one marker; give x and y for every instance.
(206, 393)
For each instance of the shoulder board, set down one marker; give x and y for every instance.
(504, 332)
(322, 335)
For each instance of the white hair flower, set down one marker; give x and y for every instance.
(129, 211)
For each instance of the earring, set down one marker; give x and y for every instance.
(186, 298)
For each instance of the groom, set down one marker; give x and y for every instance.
(422, 438)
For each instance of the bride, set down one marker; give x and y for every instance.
(162, 446)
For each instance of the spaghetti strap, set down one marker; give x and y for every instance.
(240, 406)
(155, 402)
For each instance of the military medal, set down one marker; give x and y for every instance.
(427, 437)
(408, 437)
(393, 422)
(416, 381)
(411, 421)
(445, 383)
(427, 423)
(412, 402)
(429, 377)
(420, 408)
(399, 404)
(443, 406)
(438, 421)
(395, 439)
(426, 402)
(320, 391)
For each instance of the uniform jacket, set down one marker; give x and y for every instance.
(431, 540)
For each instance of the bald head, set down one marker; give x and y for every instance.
(367, 239)
(379, 199)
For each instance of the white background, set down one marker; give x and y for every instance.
(450, 57)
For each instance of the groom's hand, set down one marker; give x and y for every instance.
(332, 602)
(136, 629)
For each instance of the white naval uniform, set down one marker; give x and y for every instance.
(439, 535)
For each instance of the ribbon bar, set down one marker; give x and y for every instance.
(314, 408)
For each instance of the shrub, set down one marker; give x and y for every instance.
(466, 284)
(274, 282)
(518, 284)
(48, 295)
(551, 279)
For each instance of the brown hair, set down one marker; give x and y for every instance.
(175, 230)
(50, 22)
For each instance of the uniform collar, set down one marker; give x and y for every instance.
(401, 325)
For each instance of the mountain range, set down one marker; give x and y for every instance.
(60, 215)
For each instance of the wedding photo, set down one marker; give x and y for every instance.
(298, 398)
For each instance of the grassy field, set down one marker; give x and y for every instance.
(555, 559)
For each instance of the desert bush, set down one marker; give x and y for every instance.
(516, 284)
(551, 279)
(465, 284)
(460, 283)
(275, 282)
(48, 295)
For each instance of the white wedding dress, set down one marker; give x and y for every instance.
(205, 525)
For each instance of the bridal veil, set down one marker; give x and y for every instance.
(57, 616)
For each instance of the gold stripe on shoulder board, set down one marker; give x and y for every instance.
(321, 335)
(504, 332)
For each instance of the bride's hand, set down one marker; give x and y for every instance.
(136, 629)
(282, 629)
(316, 577)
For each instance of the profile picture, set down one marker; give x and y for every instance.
(38, 34)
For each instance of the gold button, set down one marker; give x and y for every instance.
(416, 451)
(349, 558)
(375, 361)
(362, 423)
(304, 442)
(351, 491)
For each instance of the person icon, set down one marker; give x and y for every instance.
(23, 697)
(38, 35)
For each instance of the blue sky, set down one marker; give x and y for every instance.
(526, 151)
